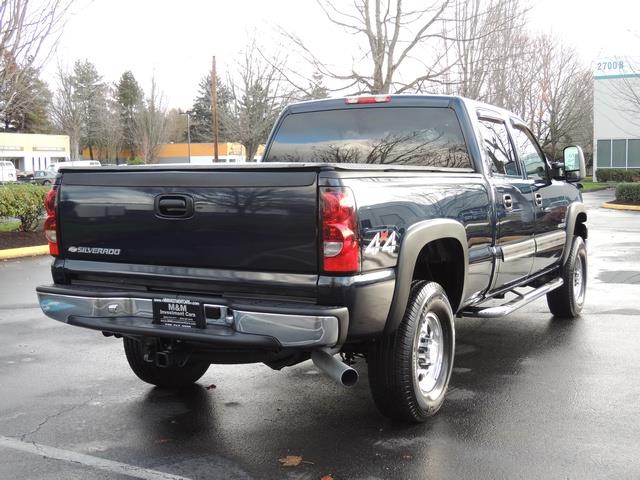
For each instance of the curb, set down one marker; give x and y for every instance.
(599, 189)
(24, 252)
(615, 206)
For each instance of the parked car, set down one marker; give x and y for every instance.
(74, 163)
(7, 172)
(23, 176)
(43, 177)
(371, 223)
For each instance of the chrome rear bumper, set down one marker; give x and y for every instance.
(259, 325)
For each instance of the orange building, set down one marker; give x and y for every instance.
(201, 153)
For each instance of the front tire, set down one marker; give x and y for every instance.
(169, 377)
(567, 301)
(409, 370)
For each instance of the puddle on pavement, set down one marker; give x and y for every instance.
(620, 276)
(623, 311)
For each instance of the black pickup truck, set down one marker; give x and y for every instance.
(371, 224)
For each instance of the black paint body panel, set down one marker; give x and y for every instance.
(254, 221)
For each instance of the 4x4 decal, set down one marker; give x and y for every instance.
(383, 242)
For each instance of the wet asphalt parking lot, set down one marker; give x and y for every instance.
(530, 397)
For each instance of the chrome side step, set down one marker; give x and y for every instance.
(512, 305)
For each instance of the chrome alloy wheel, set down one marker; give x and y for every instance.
(579, 284)
(428, 353)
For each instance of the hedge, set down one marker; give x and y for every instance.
(617, 174)
(24, 202)
(628, 192)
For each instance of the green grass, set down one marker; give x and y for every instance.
(589, 186)
(9, 226)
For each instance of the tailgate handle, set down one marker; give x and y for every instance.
(174, 206)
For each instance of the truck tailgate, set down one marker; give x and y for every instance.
(252, 219)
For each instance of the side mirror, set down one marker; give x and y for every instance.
(574, 165)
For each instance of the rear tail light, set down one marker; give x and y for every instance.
(340, 245)
(51, 223)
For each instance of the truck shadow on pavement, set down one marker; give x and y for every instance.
(252, 422)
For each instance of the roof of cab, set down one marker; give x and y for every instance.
(400, 100)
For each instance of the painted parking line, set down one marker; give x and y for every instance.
(86, 460)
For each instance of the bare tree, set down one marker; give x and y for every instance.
(110, 131)
(445, 46)
(623, 92)
(482, 34)
(627, 89)
(81, 107)
(257, 96)
(513, 85)
(564, 101)
(392, 36)
(177, 126)
(151, 125)
(29, 31)
(67, 111)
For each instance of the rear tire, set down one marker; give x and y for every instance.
(567, 301)
(409, 370)
(170, 377)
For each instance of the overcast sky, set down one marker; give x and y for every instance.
(176, 40)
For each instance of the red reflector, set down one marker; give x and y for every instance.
(367, 99)
(340, 245)
(51, 223)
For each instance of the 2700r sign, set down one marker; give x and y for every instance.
(615, 65)
(174, 312)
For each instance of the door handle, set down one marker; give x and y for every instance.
(507, 202)
(174, 206)
(538, 198)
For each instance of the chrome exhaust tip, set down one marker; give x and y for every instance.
(335, 369)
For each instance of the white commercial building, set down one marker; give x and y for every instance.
(616, 114)
(30, 152)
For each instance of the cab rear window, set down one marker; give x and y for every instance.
(428, 137)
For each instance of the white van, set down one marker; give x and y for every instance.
(74, 163)
(7, 171)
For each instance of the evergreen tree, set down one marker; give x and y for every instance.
(129, 96)
(201, 124)
(90, 92)
(28, 111)
(316, 90)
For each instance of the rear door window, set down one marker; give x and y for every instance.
(428, 137)
(500, 158)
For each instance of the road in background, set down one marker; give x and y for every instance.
(530, 397)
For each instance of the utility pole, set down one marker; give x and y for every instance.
(214, 108)
(188, 112)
